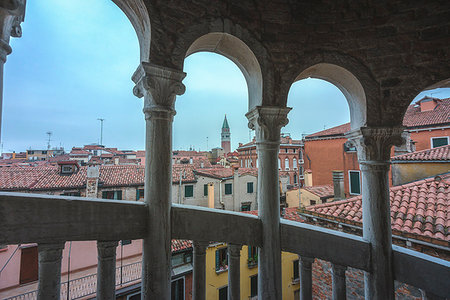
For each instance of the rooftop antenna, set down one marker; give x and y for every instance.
(101, 130)
(207, 144)
(49, 133)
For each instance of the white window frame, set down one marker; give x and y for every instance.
(294, 164)
(350, 182)
(438, 137)
(288, 166)
(184, 284)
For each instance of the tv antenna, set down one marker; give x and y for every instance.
(49, 133)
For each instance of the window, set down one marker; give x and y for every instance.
(139, 194)
(188, 191)
(293, 150)
(114, 195)
(252, 256)
(228, 188)
(295, 178)
(249, 187)
(296, 276)
(205, 190)
(355, 182)
(312, 202)
(254, 286)
(178, 289)
(286, 150)
(66, 169)
(223, 293)
(134, 296)
(286, 164)
(29, 265)
(125, 242)
(221, 259)
(257, 163)
(294, 164)
(439, 141)
(44, 152)
(76, 194)
(246, 206)
(279, 163)
(177, 259)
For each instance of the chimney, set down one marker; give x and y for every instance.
(93, 174)
(428, 103)
(338, 184)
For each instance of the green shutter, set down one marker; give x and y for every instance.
(217, 260)
(249, 187)
(105, 195)
(119, 195)
(228, 188)
(205, 190)
(188, 191)
(138, 195)
(438, 142)
(355, 186)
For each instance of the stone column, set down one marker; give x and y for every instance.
(267, 122)
(199, 278)
(338, 282)
(12, 13)
(305, 277)
(106, 269)
(234, 272)
(159, 87)
(374, 148)
(49, 285)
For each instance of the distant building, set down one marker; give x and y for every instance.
(290, 158)
(226, 136)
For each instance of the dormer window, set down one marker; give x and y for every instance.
(66, 169)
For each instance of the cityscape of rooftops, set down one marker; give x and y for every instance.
(67, 71)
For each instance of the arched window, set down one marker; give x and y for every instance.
(279, 163)
(286, 164)
(257, 163)
(294, 164)
(295, 178)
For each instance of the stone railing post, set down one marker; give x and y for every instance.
(159, 87)
(49, 285)
(199, 278)
(12, 13)
(339, 285)
(305, 277)
(106, 269)
(234, 272)
(374, 148)
(267, 122)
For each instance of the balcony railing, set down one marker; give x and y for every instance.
(48, 220)
(87, 285)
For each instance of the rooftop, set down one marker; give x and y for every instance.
(429, 155)
(322, 191)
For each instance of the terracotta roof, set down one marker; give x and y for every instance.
(223, 172)
(420, 208)
(438, 116)
(79, 151)
(290, 213)
(413, 118)
(436, 154)
(48, 177)
(186, 171)
(326, 190)
(180, 245)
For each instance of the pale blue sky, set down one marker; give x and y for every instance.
(74, 64)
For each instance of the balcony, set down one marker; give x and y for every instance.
(49, 220)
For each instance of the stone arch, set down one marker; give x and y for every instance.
(224, 37)
(238, 52)
(347, 83)
(137, 13)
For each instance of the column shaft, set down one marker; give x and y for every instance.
(234, 272)
(267, 121)
(49, 285)
(199, 278)
(106, 269)
(306, 278)
(338, 282)
(159, 87)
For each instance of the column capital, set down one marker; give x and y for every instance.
(267, 122)
(374, 144)
(338, 270)
(50, 252)
(200, 247)
(234, 250)
(159, 86)
(107, 249)
(12, 14)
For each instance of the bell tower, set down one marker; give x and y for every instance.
(226, 136)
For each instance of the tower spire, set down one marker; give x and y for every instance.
(225, 136)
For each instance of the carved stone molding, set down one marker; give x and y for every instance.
(49, 253)
(12, 14)
(159, 86)
(267, 122)
(374, 144)
(234, 250)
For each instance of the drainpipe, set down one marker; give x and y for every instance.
(220, 194)
(179, 188)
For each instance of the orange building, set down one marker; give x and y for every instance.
(427, 123)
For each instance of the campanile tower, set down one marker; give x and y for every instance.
(226, 136)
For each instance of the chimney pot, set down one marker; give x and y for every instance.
(338, 185)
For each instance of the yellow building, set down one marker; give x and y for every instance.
(310, 195)
(217, 274)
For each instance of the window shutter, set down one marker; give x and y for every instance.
(104, 195)
(137, 194)
(217, 260)
(205, 190)
(119, 195)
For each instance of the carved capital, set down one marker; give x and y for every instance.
(12, 14)
(51, 252)
(234, 250)
(267, 122)
(159, 86)
(106, 249)
(374, 144)
(199, 247)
